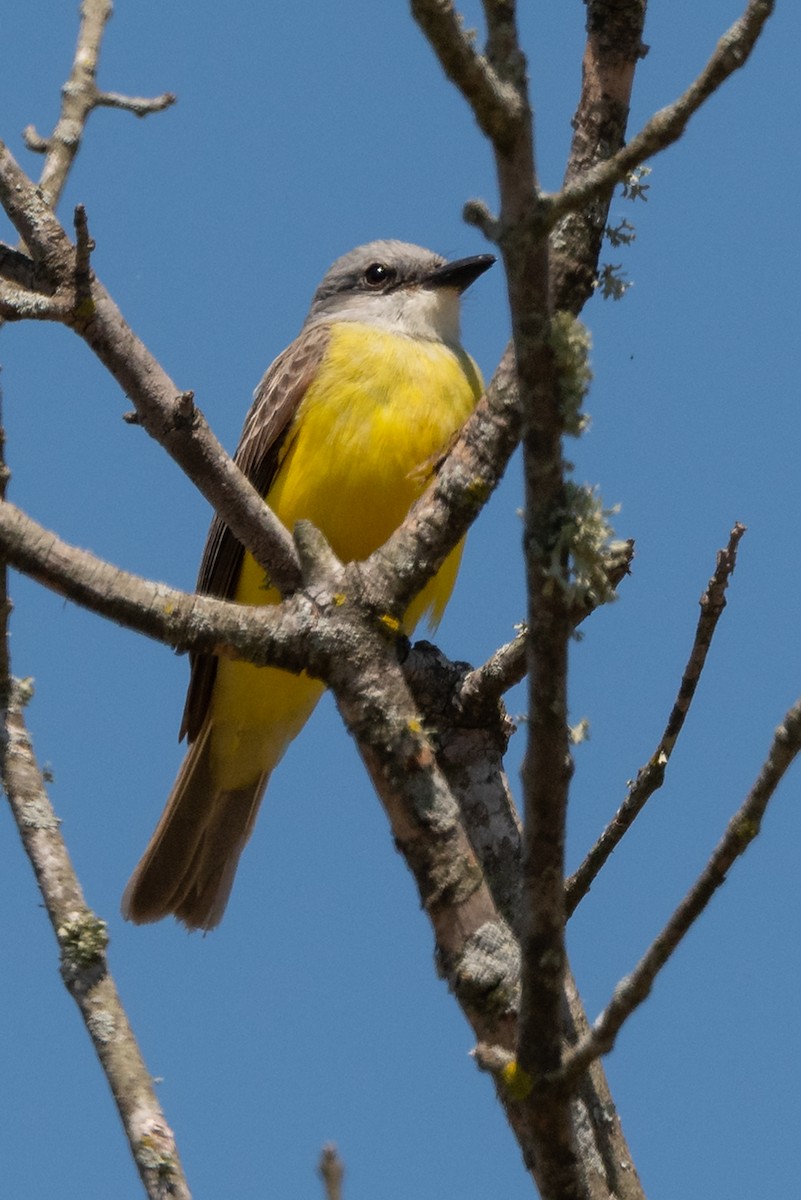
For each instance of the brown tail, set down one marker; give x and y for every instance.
(190, 863)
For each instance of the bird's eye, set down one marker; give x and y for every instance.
(377, 274)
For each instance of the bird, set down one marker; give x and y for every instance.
(346, 430)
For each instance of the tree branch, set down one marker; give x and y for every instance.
(470, 747)
(493, 102)
(274, 635)
(79, 97)
(521, 232)
(166, 413)
(140, 106)
(740, 832)
(652, 775)
(613, 48)
(666, 127)
(507, 666)
(463, 484)
(332, 1172)
(81, 935)
(82, 940)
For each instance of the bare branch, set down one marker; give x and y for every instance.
(470, 749)
(652, 775)
(82, 940)
(332, 1172)
(666, 127)
(162, 406)
(495, 105)
(81, 936)
(140, 106)
(84, 245)
(264, 635)
(476, 951)
(79, 96)
(524, 245)
(741, 831)
(507, 666)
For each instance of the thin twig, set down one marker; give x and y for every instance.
(79, 96)
(507, 666)
(666, 127)
(140, 106)
(502, 670)
(652, 775)
(495, 105)
(740, 832)
(332, 1172)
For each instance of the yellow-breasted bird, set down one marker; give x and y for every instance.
(345, 430)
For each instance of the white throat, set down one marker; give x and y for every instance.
(418, 312)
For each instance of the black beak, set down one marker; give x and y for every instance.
(459, 274)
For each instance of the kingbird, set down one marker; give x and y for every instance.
(346, 430)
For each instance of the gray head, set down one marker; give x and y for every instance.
(398, 287)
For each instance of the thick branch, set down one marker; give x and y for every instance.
(470, 748)
(271, 635)
(476, 951)
(612, 51)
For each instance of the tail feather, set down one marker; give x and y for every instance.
(189, 865)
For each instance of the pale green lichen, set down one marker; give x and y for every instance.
(23, 691)
(580, 732)
(612, 282)
(101, 1026)
(83, 941)
(571, 342)
(488, 969)
(622, 234)
(579, 554)
(633, 186)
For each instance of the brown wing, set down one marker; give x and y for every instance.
(258, 454)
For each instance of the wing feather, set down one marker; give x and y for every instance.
(258, 455)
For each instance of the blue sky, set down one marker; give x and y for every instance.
(314, 1012)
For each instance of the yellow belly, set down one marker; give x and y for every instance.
(361, 449)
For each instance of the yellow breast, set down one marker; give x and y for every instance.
(362, 448)
(368, 433)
